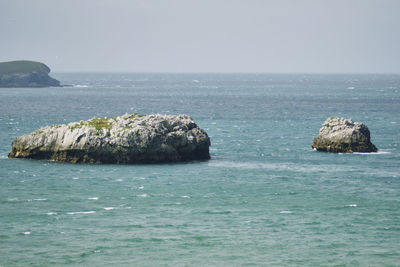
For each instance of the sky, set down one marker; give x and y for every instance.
(264, 36)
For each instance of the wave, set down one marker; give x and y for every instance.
(372, 153)
(81, 212)
(81, 86)
(285, 212)
(108, 208)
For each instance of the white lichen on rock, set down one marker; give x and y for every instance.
(343, 136)
(131, 138)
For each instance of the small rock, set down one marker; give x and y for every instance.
(341, 135)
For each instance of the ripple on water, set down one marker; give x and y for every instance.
(129, 226)
(217, 212)
(276, 166)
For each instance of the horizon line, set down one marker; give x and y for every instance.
(246, 72)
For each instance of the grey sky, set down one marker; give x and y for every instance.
(204, 36)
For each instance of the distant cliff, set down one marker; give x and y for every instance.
(25, 74)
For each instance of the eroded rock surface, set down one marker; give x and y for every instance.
(131, 138)
(343, 136)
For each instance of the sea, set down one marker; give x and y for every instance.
(265, 198)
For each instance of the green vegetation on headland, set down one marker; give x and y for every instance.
(25, 73)
(22, 66)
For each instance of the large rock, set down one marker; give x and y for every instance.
(343, 136)
(130, 138)
(25, 74)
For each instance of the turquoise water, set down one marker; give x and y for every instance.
(265, 197)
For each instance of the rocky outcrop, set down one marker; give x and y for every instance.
(25, 74)
(131, 138)
(343, 136)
